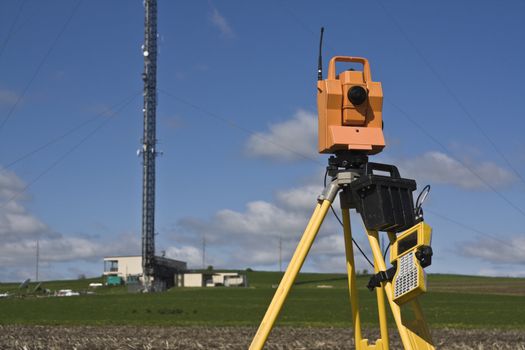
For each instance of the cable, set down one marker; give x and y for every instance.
(430, 136)
(40, 65)
(386, 250)
(418, 210)
(470, 228)
(420, 127)
(450, 92)
(353, 240)
(422, 197)
(35, 9)
(237, 126)
(341, 222)
(444, 148)
(443, 217)
(11, 29)
(65, 154)
(64, 135)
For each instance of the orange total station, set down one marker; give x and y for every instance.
(350, 106)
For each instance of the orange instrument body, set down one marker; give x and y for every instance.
(350, 108)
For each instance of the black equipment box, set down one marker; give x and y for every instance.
(384, 202)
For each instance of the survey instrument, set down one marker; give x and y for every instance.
(350, 107)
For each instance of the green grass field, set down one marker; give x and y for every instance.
(453, 301)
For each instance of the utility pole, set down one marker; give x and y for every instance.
(37, 259)
(149, 152)
(203, 252)
(280, 253)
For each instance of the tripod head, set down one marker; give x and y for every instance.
(346, 160)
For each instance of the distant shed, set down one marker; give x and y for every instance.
(212, 279)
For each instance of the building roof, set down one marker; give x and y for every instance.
(122, 256)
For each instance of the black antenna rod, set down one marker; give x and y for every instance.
(320, 62)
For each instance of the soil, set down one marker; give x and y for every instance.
(130, 337)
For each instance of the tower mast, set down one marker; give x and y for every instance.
(149, 141)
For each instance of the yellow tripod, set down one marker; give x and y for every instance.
(414, 333)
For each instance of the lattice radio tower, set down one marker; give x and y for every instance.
(149, 152)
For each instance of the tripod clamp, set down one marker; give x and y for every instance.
(344, 168)
(423, 255)
(341, 179)
(381, 276)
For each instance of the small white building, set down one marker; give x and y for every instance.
(123, 266)
(228, 279)
(212, 279)
(194, 280)
(235, 281)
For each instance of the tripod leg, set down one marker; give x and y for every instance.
(352, 286)
(289, 277)
(381, 308)
(424, 332)
(396, 310)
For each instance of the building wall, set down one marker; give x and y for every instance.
(234, 281)
(127, 265)
(131, 265)
(218, 277)
(211, 279)
(168, 271)
(193, 280)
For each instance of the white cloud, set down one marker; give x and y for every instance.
(296, 138)
(502, 251)
(20, 231)
(65, 248)
(292, 139)
(22, 223)
(51, 250)
(333, 244)
(18, 257)
(71, 248)
(439, 168)
(260, 219)
(10, 184)
(218, 20)
(15, 222)
(502, 270)
(300, 198)
(189, 254)
(250, 237)
(235, 238)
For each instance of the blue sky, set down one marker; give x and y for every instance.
(236, 93)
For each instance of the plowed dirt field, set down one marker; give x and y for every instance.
(127, 337)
